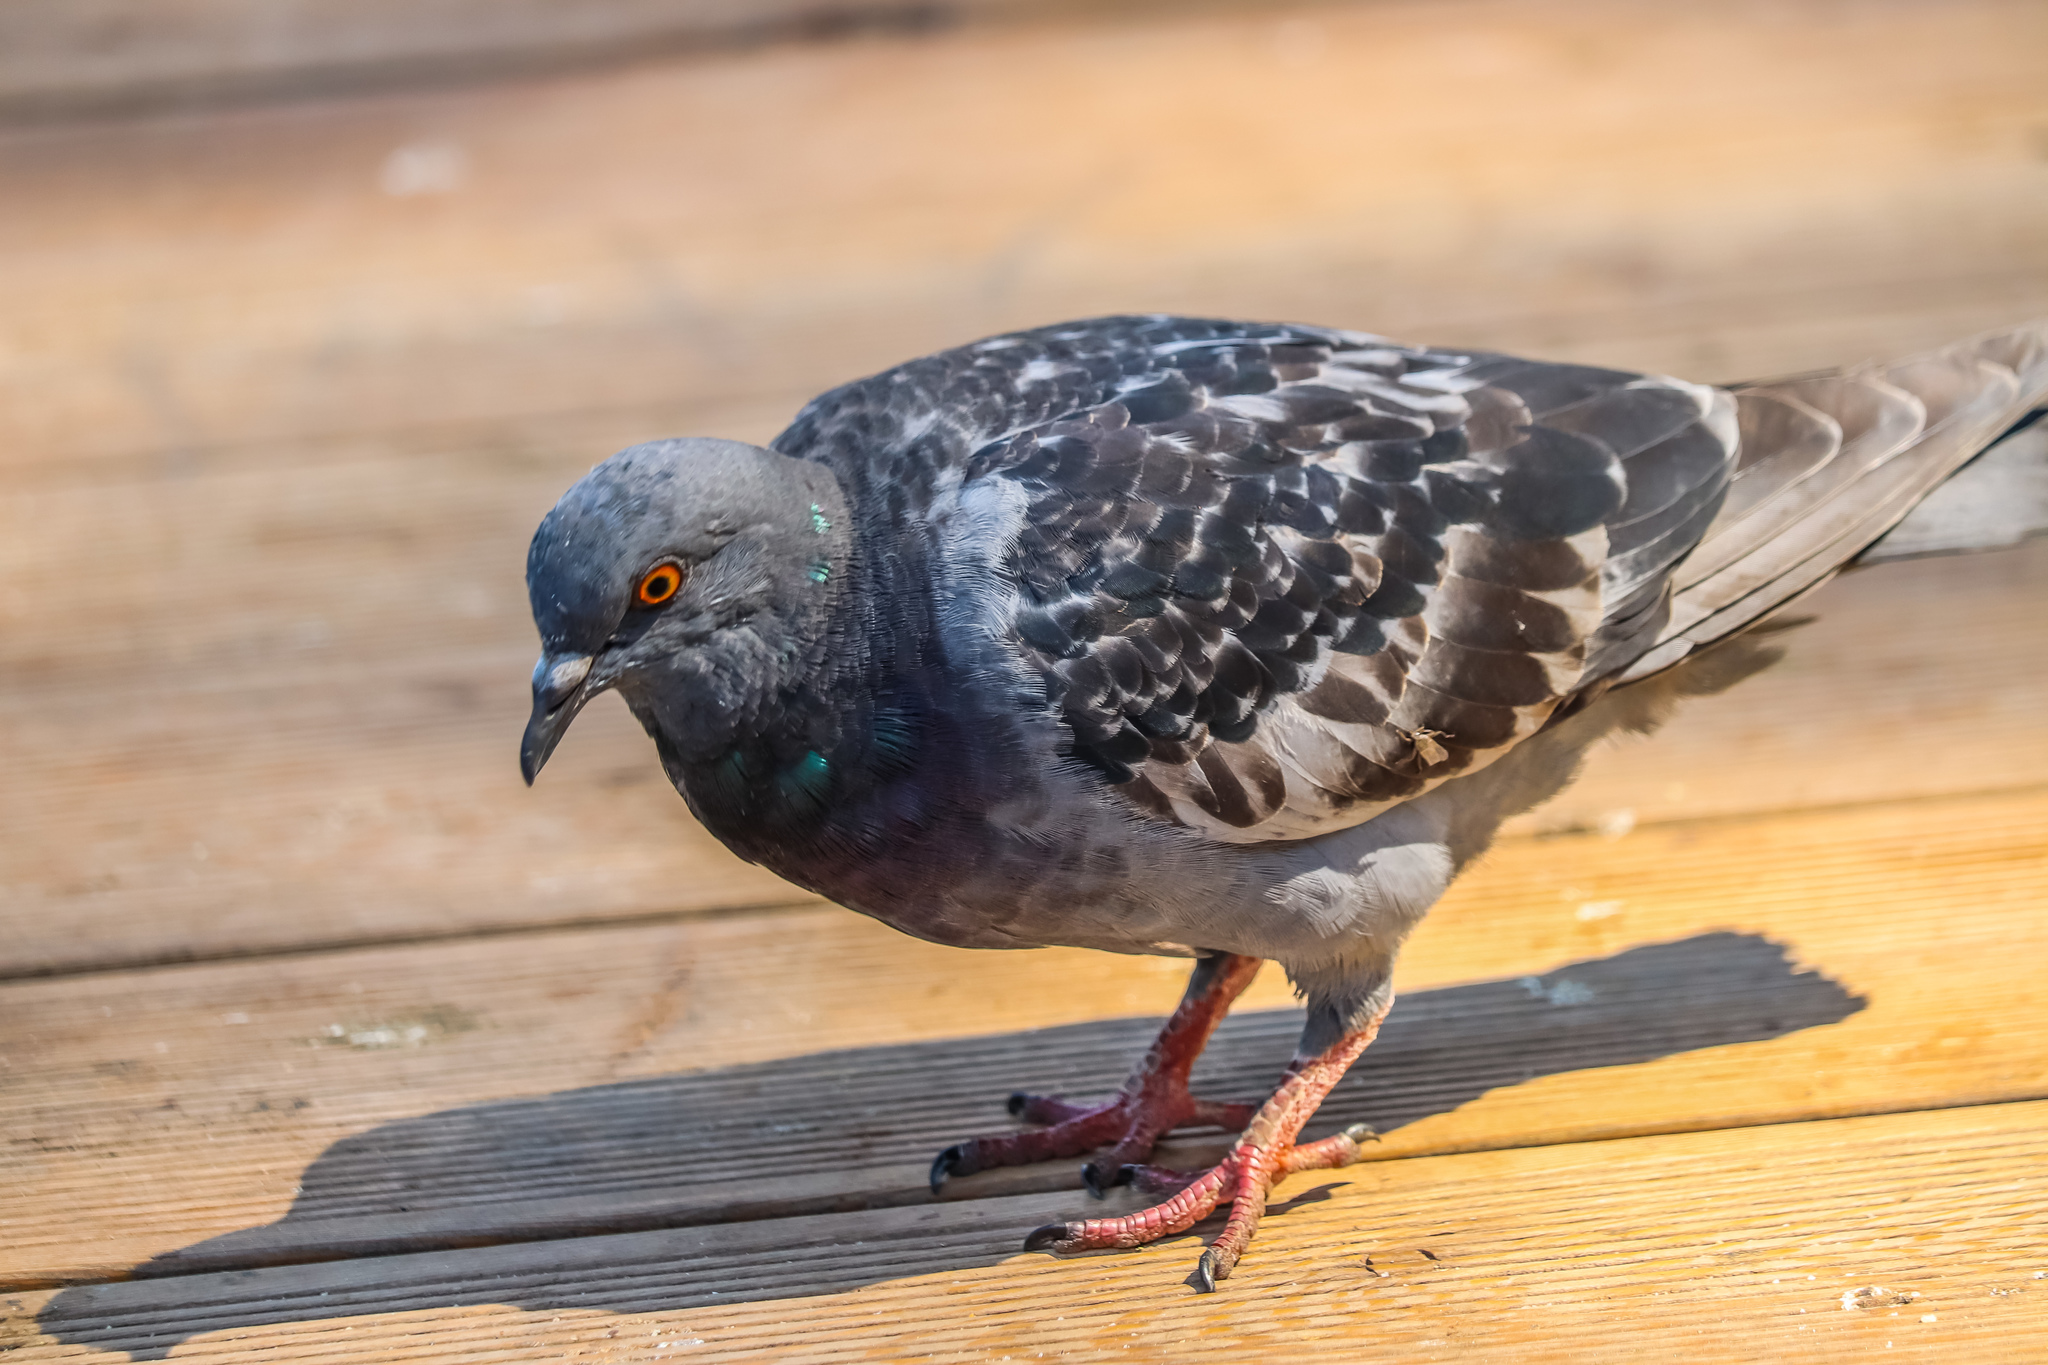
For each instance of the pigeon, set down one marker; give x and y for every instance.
(1222, 640)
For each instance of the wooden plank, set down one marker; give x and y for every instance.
(1736, 1246)
(313, 376)
(65, 59)
(1714, 193)
(1700, 975)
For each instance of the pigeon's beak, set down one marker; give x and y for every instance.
(558, 694)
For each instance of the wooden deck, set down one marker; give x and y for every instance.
(322, 1039)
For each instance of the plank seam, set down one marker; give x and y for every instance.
(290, 83)
(624, 1225)
(478, 933)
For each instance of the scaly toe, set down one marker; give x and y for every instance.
(1091, 1176)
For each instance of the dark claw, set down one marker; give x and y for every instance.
(1047, 1238)
(1098, 1187)
(1018, 1102)
(1205, 1272)
(952, 1161)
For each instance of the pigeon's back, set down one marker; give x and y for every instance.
(1277, 580)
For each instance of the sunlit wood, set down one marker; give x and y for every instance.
(284, 388)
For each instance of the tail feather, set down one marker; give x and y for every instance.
(1999, 498)
(1832, 462)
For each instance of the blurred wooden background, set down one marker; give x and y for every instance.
(308, 312)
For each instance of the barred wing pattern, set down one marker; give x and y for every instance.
(1278, 579)
(1281, 579)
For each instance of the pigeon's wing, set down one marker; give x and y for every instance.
(1278, 579)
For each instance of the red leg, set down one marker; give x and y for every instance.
(1153, 1102)
(1264, 1154)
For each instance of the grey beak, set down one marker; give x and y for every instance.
(558, 694)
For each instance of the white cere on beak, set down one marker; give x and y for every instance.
(555, 679)
(568, 673)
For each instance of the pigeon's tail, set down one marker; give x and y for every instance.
(1999, 498)
(1830, 463)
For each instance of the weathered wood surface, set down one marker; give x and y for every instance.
(1716, 193)
(1705, 1246)
(80, 58)
(1697, 975)
(283, 391)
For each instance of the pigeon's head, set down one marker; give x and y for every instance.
(691, 575)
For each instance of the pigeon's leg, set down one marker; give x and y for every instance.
(1263, 1155)
(1154, 1101)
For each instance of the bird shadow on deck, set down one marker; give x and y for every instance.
(770, 1145)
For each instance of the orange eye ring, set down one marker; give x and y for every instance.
(659, 584)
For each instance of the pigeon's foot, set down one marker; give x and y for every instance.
(1153, 1102)
(1263, 1156)
(1130, 1125)
(1245, 1178)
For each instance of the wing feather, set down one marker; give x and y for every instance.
(1278, 579)
(1898, 432)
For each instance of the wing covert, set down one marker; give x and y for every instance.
(1278, 579)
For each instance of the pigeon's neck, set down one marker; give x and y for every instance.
(812, 713)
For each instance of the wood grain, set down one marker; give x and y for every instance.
(66, 59)
(283, 391)
(1712, 974)
(1764, 186)
(1708, 1246)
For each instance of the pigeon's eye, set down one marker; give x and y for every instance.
(660, 584)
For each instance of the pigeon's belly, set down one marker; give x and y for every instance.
(1095, 877)
(1090, 879)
